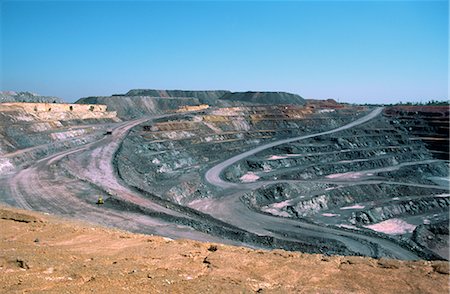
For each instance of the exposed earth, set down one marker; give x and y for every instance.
(40, 253)
(237, 168)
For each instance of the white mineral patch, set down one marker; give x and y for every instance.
(276, 157)
(23, 117)
(249, 177)
(348, 226)
(442, 195)
(197, 118)
(41, 127)
(5, 165)
(164, 169)
(393, 226)
(177, 135)
(330, 214)
(213, 127)
(281, 204)
(267, 168)
(241, 125)
(67, 135)
(356, 206)
(294, 155)
(275, 211)
(325, 110)
(349, 175)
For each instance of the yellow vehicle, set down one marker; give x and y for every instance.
(100, 200)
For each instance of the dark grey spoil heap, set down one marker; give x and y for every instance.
(265, 98)
(11, 96)
(141, 102)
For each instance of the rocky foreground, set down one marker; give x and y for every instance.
(42, 253)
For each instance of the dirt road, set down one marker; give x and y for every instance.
(230, 209)
(69, 182)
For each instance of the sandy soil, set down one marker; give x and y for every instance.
(42, 253)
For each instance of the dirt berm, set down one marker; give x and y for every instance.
(42, 253)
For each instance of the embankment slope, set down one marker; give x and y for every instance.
(140, 102)
(13, 96)
(44, 253)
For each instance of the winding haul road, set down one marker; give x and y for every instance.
(69, 183)
(212, 176)
(232, 210)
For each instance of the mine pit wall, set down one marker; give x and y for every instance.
(380, 143)
(139, 106)
(57, 111)
(29, 131)
(429, 124)
(171, 152)
(168, 158)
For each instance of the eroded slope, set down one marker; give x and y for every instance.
(30, 131)
(44, 254)
(373, 179)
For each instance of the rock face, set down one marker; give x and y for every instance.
(205, 97)
(374, 178)
(264, 98)
(428, 124)
(59, 111)
(11, 96)
(29, 131)
(170, 151)
(45, 254)
(137, 106)
(141, 102)
(434, 237)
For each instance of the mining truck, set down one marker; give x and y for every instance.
(100, 200)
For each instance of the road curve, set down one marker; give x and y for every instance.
(69, 182)
(212, 176)
(43, 186)
(229, 208)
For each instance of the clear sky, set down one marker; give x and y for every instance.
(353, 51)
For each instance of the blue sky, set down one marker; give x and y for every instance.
(353, 51)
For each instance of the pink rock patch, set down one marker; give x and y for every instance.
(330, 214)
(393, 226)
(249, 177)
(356, 206)
(276, 157)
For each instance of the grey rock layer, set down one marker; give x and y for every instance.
(12, 96)
(139, 102)
(265, 97)
(138, 106)
(205, 97)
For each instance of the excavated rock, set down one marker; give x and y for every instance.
(129, 107)
(29, 131)
(264, 98)
(205, 97)
(12, 96)
(141, 102)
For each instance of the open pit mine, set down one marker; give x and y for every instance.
(266, 170)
